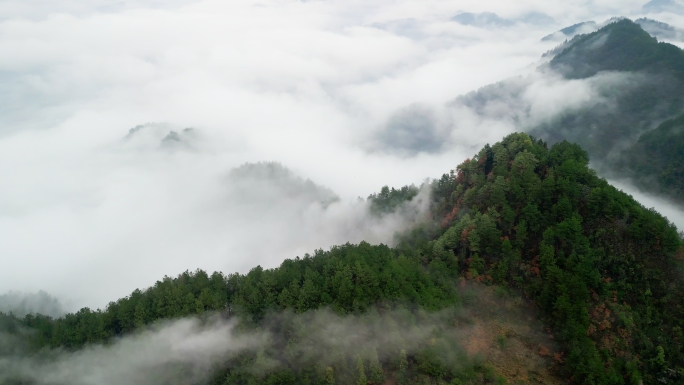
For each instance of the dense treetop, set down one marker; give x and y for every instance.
(389, 199)
(601, 266)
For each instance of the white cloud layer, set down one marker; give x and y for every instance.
(89, 216)
(150, 357)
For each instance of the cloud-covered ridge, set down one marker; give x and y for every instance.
(327, 88)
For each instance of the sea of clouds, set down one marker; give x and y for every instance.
(120, 123)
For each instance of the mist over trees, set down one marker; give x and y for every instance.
(625, 139)
(252, 178)
(21, 304)
(389, 200)
(655, 28)
(656, 161)
(523, 232)
(604, 272)
(638, 104)
(620, 84)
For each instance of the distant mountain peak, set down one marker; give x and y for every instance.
(483, 19)
(490, 19)
(571, 31)
(655, 28)
(657, 6)
(619, 46)
(660, 30)
(271, 181)
(161, 135)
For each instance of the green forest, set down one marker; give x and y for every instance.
(601, 272)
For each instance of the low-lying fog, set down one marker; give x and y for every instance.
(121, 123)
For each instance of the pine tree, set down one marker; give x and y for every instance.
(329, 376)
(376, 374)
(402, 376)
(362, 372)
(309, 296)
(141, 314)
(403, 361)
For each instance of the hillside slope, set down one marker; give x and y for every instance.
(600, 266)
(603, 273)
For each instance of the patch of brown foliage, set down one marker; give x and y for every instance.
(505, 333)
(679, 254)
(450, 217)
(544, 351)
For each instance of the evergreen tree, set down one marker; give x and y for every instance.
(362, 380)
(329, 376)
(376, 374)
(403, 361)
(402, 364)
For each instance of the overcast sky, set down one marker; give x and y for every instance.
(351, 94)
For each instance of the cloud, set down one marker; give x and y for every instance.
(571, 31)
(673, 212)
(188, 351)
(537, 18)
(272, 182)
(482, 20)
(657, 6)
(21, 304)
(661, 31)
(155, 136)
(413, 130)
(88, 215)
(543, 97)
(490, 19)
(173, 352)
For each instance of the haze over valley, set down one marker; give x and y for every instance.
(346, 168)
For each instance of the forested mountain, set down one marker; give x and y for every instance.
(620, 46)
(271, 181)
(594, 260)
(602, 272)
(649, 91)
(620, 82)
(623, 133)
(570, 31)
(654, 28)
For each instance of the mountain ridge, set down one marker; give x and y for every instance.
(602, 270)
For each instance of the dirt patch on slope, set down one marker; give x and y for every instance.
(504, 330)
